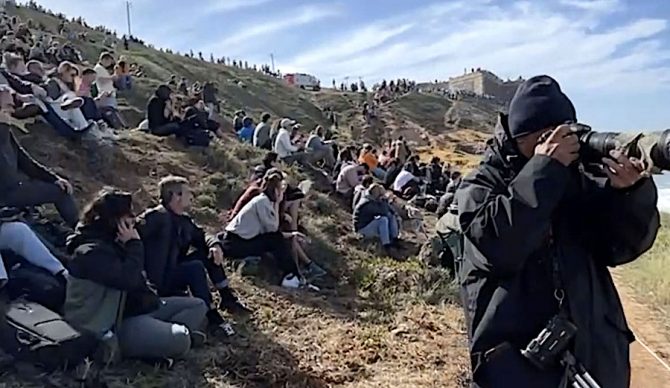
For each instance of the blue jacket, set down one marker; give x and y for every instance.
(246, 134)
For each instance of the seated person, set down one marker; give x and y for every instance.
(23, 181)
(369, 157)
(254, 231)
(374, 218)
(289, 218)
(406, 184)
(360, 190)
(17, 237)
(104, 83)
(350, 176)
(83, 91)
(287, 151)
(36, 73)
(343, 158)
(108, 261)
(320, 150)
(60, 88)
(197, 117)
(262, 133)
(122, 78)
(180, 256)
(246, 133)
(209, 97)
(162, 121)
(435, 177)
(393, 169)
(448, 198)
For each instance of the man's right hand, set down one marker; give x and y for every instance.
(562, 145)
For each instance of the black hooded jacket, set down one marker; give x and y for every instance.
(168, 239)
(156, 107)
(519, 215)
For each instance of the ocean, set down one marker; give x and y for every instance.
(663, 183)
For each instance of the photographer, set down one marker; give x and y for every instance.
(540, 235)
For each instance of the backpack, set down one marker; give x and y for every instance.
(31, 333)
(36, 285)
(197, 137)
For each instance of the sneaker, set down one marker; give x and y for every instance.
(198, 339)
(230, 303)
(214, 318)
(73, 103)
(291, 281)
(313, 271)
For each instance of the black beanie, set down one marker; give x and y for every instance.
(537, 104)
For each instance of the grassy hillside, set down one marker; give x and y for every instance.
(650, 274)
(376, 322)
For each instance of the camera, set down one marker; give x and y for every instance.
(653, 149)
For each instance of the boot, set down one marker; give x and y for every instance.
(230, 303)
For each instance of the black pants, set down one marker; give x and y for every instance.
(168, 129)
(191, 274)
(35, 193)
(236, 247)
(90, 110)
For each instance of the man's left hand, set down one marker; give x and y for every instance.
(64, 185)
(623, 172)
(216, 254)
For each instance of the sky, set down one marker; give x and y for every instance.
(612, 57)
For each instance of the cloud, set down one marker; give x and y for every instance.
(299, 17)
(524, 38)
(592, 5)
(232, 5)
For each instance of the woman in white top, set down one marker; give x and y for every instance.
(254, 231)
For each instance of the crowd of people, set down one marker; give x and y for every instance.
(139, 279)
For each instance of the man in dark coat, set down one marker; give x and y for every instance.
(180, 256)
(539, 236)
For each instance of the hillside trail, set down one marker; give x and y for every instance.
(647, 370)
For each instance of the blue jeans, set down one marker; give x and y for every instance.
(385, 228)
(379, 173)
(124, 82)
(20, 239)
(61, 126)
(192, 274)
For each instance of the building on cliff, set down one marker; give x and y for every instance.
(485, 83)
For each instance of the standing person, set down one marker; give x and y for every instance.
(108, 263)
(539, 236)
(262, 133)
(209, 96)
(180, 256)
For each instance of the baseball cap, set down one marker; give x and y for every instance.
(288, 123)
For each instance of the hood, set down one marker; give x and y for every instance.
(502, 151)
(163, 92)
(85, 234)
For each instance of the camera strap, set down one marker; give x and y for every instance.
(559, 291)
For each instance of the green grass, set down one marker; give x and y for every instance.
(650, 274)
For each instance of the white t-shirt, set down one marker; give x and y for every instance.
(103, 80)
(402, 179)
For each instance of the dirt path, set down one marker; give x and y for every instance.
(647, 326)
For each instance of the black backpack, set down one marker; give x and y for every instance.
(34, 334)
(198, 138)
(36, 285)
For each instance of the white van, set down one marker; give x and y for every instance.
(303, 81)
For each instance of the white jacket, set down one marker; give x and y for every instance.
(283, 146)
(256, 217)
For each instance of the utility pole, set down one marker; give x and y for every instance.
(128, 17)
(272, 58)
